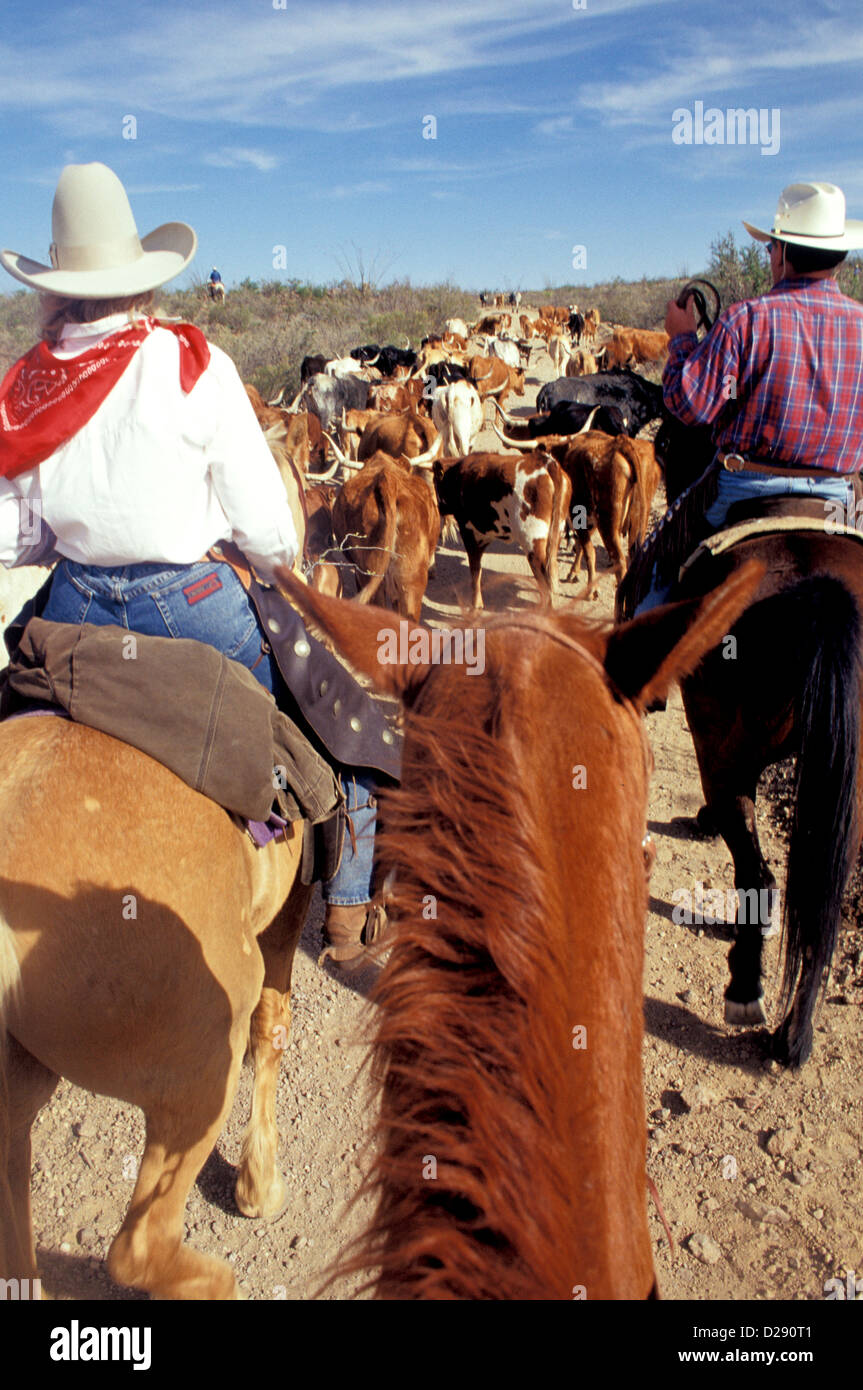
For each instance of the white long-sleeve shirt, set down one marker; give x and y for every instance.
(154, 475)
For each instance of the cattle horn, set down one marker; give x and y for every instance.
(507, 419)
(520, 444)
(485, 374)
(292, 408)
(340, 457)
(323, 477)
(425, 460)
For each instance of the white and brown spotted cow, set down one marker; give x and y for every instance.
(510, 498)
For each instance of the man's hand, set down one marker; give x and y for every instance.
(679, 320)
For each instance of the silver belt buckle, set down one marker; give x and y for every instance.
(734, 463)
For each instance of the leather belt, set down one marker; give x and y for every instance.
(736, 463)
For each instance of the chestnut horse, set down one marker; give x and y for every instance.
(512, 1138)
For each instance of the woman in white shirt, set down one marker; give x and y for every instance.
(128, 448)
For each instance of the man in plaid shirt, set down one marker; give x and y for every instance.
(780, 378)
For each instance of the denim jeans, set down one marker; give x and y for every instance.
(206, 601)
(738, 487)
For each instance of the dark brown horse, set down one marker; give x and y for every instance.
(512, 1136)
(790, 683)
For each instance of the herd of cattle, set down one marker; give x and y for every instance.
(401, 425)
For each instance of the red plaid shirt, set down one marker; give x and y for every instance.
(779, 377)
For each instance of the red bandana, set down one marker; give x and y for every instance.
(44, 400)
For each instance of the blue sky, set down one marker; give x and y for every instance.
(302, 127)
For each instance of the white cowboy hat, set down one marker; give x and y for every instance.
(96, 252)
(812, 214)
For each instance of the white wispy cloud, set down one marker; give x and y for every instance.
(235, 158)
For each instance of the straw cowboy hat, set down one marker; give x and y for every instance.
(96, 252)
(812, 214)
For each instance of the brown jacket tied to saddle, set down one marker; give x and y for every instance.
(183, 703)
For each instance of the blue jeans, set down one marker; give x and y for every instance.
(206, 601)
(739, 487)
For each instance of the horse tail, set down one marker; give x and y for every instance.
(824, 832)
(10, 980)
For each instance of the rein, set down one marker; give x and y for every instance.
(690, 290)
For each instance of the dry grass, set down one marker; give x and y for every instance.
(269, 328)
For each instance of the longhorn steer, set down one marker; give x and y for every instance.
(410, 434)
(328, 396)
(567, 418)
(613, 482)
(506, 497)
(386, 520)
(635, 345)
(492, 377)
(639, 400)
(457, 414)
(591, 325)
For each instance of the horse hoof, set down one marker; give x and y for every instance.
(268, 1206)
(705, 823)
(746, 1015)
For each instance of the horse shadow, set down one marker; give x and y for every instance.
(747, 1049)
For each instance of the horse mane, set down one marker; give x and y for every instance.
(473, 1174)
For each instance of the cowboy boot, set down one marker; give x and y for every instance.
(351, 934)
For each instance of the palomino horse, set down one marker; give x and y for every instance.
(512, 1134)
(140, 931)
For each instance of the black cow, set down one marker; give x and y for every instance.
(328, 396)
(364, 354)
(576, 327)
(640, 400)
(569, 417)
(445, 373)
(310, 366)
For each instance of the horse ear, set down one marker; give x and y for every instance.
(645, 656)
(370, 639)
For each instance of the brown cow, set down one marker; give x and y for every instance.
(554, 313)
(409, 434)
(324, 575)
(493, 377)
(492, 324)
(591, 325)
(267, 415)
(350, 428)
(612, 489)
(386, 521)
(299, 434)
(635, 345)
(394, 397)
(506, 497)
(581, 363)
